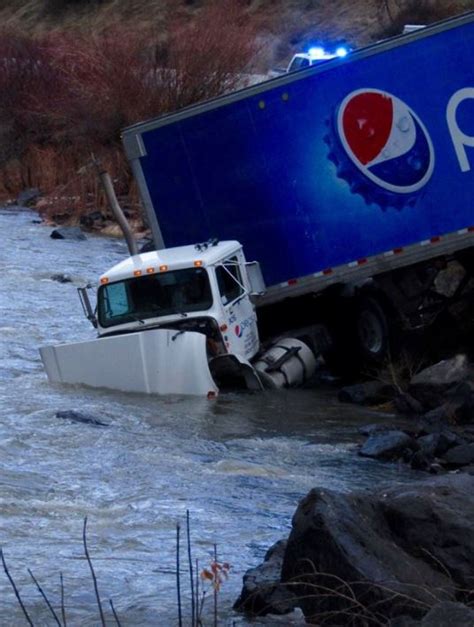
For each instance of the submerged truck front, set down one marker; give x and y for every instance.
(345, 169)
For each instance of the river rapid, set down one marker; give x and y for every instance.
(239, 464)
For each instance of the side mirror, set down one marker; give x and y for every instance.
(86, 305)
(255, 277)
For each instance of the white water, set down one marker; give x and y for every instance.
(238, 464)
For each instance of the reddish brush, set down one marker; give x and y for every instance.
(67, 93)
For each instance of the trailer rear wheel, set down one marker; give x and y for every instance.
(373, 330)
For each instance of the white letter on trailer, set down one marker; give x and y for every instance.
(460, 139)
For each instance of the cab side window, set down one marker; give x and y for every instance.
(229, 280)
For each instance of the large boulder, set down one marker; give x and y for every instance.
(262, 592)
(388, 445)
(431, 385)
(444, 614)
(461, 455)
(375, 556)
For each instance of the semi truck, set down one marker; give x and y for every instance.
(347, 185)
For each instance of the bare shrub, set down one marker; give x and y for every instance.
(68, 92)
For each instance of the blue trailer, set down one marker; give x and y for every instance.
(344, 172)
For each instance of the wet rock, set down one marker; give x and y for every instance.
(434, 521)
(459, 456)
(431, 385)
(28, 197)
(68, 232)
(436, 444)
(388, 543)
(368, 393)
(406, 404)
(262, 592)
(94, 219)
(461, 403)
(79, 416)
(388, 445)
(421, 461)
(436, 419)
(61, 278)
(374, 428)
(449, 613)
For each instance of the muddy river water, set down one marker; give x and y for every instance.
(239, 464)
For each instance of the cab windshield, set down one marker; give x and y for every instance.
(154, 295)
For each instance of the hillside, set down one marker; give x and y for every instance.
(76, 72)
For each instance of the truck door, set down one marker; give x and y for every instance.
(241, 335)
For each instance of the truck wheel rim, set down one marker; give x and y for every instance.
(371, 332)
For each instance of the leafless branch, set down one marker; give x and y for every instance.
(94, 578)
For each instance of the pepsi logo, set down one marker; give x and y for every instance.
(238, 330)
(386, 140)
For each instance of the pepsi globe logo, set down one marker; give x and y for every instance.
(238, 330)
(386, 140)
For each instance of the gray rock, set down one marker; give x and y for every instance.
(28, 197)
(69, 233)
(431, 385)
(262, 592)
(459, 456)
(436, 444)
(367, 393)
(408, 405)
(61, 278)
(449, 613)
(421, 461)
(79, 416)
(446, 372)
(374, 428)
(388, 544)
(387, 445)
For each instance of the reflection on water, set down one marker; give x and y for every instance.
(239, 463)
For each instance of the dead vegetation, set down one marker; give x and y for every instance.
(73, 73)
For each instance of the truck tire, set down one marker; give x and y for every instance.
(373, 331)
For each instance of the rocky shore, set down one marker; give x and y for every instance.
(401, 555)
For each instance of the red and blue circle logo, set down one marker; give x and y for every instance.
(386, 140)
(238, 330)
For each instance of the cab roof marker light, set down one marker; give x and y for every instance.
(163, 268)
(342, 52)
(104, 280)
(317, 52)
(150, 270)
(198, 263)
(137, 273)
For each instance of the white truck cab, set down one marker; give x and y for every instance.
(205, 287)
(179, 321)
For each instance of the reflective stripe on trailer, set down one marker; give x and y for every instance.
(410, 251)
